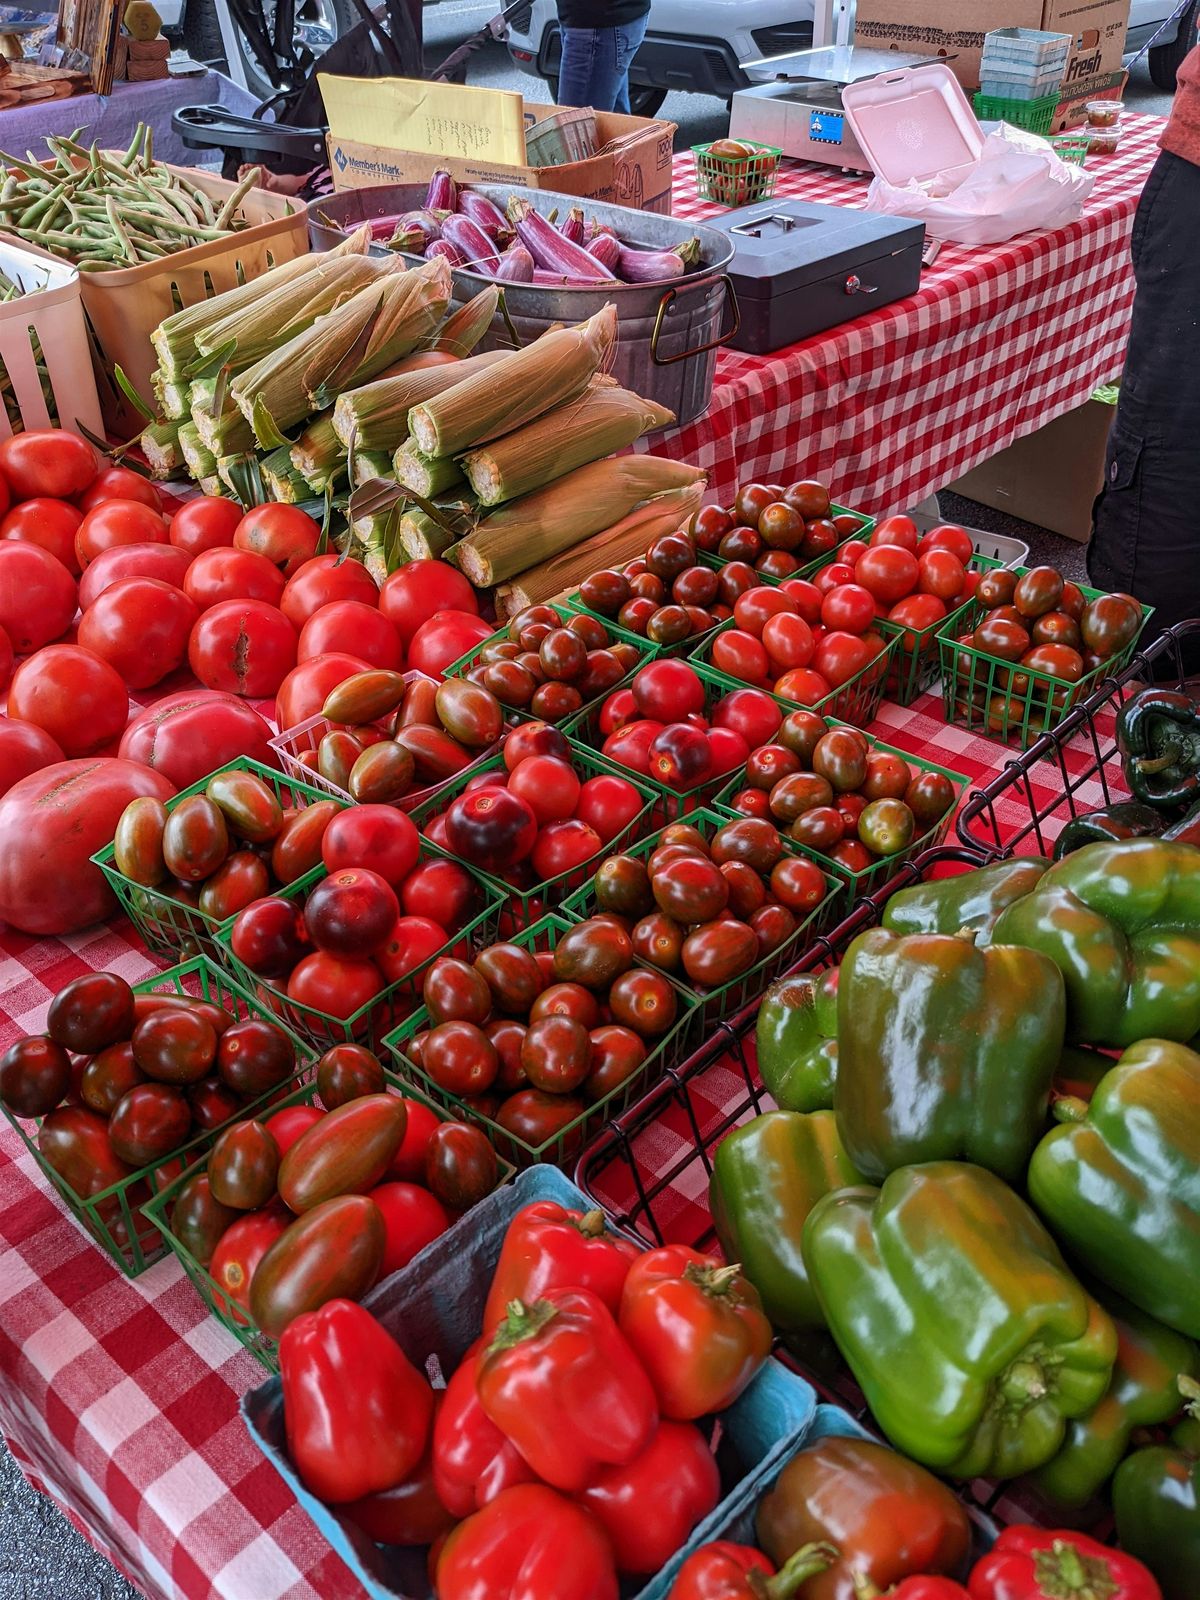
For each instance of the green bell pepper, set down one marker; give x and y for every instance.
(796, 1041)
(766, 1178)
(969, 1337)
(946, 1052)
(1122, 922)
(1119, 1183)
(1158, 732)
(1144, 1393)
(1156, 1497)
(970, 900)
(1080, 1070)
(1126, 819)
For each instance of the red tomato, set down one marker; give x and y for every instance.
(740, 655)
(443, 638)
(849, 607)
(286, 1126)
(117, 522)
(668, 691)
(942, 574)
(371, 835)
(727, 749)
(618, 709)
(803, 685)
(6, 659)
(948, 536)
(239, 1250)
(807, 597)
(307, 687)
(896, 530)
(323, 580)
(440, 891)
(188, 735)
(77, 698)
(419, 590)
(224, 574)
(205, 523)
(751, 713)
(629, 745)
(549, 787)
(413, 1218)
(140, 627)
(351, 625)
(287, 536)
(37, 595)
(411, 943)
(24, 748)
(754, 608)
(47, 461)
(161, 561)
(408, 1165)
(561, 846)
(841, 655)
(831, 577)
(351, 912)
(889, 571)
(789, 641)
(120, 483)
(242, 647)
(607, 805)
(915, 613)
(852, 552)
(50, 523)
(337, 986)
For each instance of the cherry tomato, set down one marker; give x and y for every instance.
(806, 597)
(307, 687)
(285, 535)
(372, 835)
(629, 745)
(490, 828)
(798, 883)
(752, 609)
(549, 786)
(727, 750)
(351, 912)
(339, 986)
(841, 656)
(886, 827)
(851, 854)
(226, 574)
(889, 571)
(120, 483)
(141, 627)
(118, 522)
(408, 1164)
(413, 1219)
(562, 846)
(77, 698)
(896, 530)
(608, 805)
(831, 576)
(1059, 660)
(1037, 591)
(243, 647)
(52, 524)
(37, 595)
(618, 709)
(268, 936)
(740, 655)
(948, 536)
(411, 942)
(238, 1253)
(286, 1126)
(161, 561)
(789, 642)
(668, 691)
(47, 461)
(420, 589)
(804, 685)
(441, 891)
(751, 713)
(915, 613)
(848, 607)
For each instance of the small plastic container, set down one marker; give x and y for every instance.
(1103, 141)
(1104, 113)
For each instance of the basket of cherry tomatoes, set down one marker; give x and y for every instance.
(779, 531)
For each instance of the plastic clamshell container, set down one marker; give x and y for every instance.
(434, 1308)
(50, 311)
(913, 123)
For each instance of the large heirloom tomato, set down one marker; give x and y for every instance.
(188, 735)
(117, 522)
(47, 461)
(24, 748)
(52, 822)
(49, 523)
(287, 536)
(242, 647)
(120, 483)
(75, 696)
(205, 523)
(443, 638)
(161, 561)
(323, 580)
(224, 574)
(419, 589)
(141, 628)
(37, 596)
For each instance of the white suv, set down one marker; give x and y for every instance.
(697, 45)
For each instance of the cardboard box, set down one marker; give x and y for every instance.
(636, 173)
(954, 30)
(1050, 477)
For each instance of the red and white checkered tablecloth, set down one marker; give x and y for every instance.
(119, 1398)
(899, 403)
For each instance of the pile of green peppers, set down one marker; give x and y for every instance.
(982, 1183)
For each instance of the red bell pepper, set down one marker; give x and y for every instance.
(725, 1571)
(649, 1506)
(356, 1411)
(527, 1544)
(548, 1246)
(1046, 1564)
(697, 1327)
(560, 1380)
(928, 1587)
(409, 1514)
(472, 1460)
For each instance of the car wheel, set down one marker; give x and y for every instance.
(642, 102)
(1166, 59)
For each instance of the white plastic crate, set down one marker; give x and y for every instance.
(1032, 47)
(1018, 86)
(50, 312)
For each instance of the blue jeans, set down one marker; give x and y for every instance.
(595, 65)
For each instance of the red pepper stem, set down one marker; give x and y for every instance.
(1065, 1573)
(806, 1563)
(522, 1322)
(1069, 1108)
(1147, 766)
(713, 1280)
(591, 1224)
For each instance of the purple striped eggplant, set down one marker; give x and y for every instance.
(477, 249)
(606, 248)
(516, 265)
(649, 266)
(571, 227)
(413, 231)
(485, 214)
(551, 251)
(443, 247)
(442, 194)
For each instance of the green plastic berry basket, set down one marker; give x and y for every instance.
(170, 926)
(112, 1216)
(1036, 116)
(723, 1001)
(736, 180)
(562, 1147)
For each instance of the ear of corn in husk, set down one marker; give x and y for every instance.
(378, 540)
(525, 532)
(226, 434)
(425, 539)
(553, 369)
(257, 329)
(460, 333)
(282, 479)
(172, 397)
(198, 458)
(371, 464)
(604, 418)
(318, 455)
(374, 416)
(202, 392)
(427, 476)
(160, 446)
(630, 537)
(345, 348)
(211, 484)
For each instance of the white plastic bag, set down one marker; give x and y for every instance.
(1018, 183)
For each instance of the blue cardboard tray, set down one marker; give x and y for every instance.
(434, 1309)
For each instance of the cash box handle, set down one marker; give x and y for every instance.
(685, 355)
(754, 226)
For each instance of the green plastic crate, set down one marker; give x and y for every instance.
(166, 925)
(973, 682)
(525, 903)
(716, 1004)
(856, 701)
(562, 1148)
(1035, 115)
(112, 1217)
(158, 1211)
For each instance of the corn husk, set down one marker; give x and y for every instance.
(160, 446)
(423, 539)
(378, 542)
(547, 373)
(202, 394)
(211, 484)
(371, 464)
(343, 349)
(605, 418)
(198, 458)
(317, 454)
(375, 416)
(428, 476)
(460, 333)
(172, 397)
(630, 537)
(224, 435)
(257, 329)
(282, 479)
(528, 531)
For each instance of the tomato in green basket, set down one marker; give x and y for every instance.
(239, 1251)
(886, 827)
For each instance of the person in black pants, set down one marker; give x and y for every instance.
(1146, 520)
(600, 39)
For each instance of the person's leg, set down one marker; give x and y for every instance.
(1146, 536)
(629, 36)
(577, 72)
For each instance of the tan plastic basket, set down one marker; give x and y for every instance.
(46, 322)
(126, 305)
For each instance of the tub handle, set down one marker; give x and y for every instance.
(684, 355)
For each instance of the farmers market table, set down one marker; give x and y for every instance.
(997, 341)
(119, 1398)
